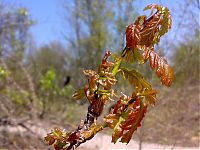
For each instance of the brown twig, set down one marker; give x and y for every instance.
(91, 117)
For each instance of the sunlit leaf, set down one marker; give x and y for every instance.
(124, 123)
(152, 6)
(89, 133)
(133, 122)
(150, 96)
(136, 79)
(89, 72)
(49, 139)
(132, 36)
(58, 138)
(118, 61)
(160, 66)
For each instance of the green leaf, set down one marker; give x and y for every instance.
(136, 79)
(3, 72)
(49, 139)
(116, 66)
(47, 81)
(89, 133)
(166, 23)
(104, 92)
(57, 132)
(114, 121)
(138, 56)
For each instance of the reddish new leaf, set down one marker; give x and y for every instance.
(161, 67)
(147, 31)
(58, 138)
(132, 36)
(128, 112)
(125, 118)
(133, 121)
(89, 72)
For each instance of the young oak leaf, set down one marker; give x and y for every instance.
(89, 72)
(149, 30)
(132, 36)
(50, 139)
(161, 22)
(161, 67)
(153, 6)
(117, 64)
(105, 65)
(133, 55)
(130, 52)
(89, 133)
(117, 116)
(58, 138)
(114, 121)
(124, 123)
(149, 95)
(133, 122)
(166, 22)
(136, 79)
(117, 131)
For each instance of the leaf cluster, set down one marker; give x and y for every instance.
(129, 109)
(141, 38)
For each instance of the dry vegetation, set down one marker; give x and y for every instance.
(175, 119)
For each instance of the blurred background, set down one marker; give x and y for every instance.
(45, 45)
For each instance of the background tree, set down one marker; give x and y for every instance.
(50, 67)
(187, 71)
(94, 25)
(14, 39)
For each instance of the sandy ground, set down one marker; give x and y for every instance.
(103, 142)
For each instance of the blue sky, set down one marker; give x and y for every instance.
(49, 18)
